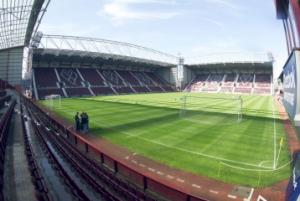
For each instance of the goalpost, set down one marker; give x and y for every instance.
(53, 101)
(210, 110)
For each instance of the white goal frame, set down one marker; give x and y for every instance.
(50, 103)
(192, 110)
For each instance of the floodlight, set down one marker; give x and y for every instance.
(36, 39)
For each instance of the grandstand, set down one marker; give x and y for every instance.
(241, 75)
(82, 75)
(42, 158)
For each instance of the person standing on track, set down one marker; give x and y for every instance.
(84, 123)
(87, 122)
(77, 121)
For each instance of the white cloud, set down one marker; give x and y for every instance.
(225, 3)
(226, 6)
(214, 22)
(218, 45)
(119, 10)
(146, 1)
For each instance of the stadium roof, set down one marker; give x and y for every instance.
(83, 60)
(89, 51)
(247, 60)
(19, 21)
(64, 51)
(236, 65)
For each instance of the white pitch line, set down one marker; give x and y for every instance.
(142, 165)
(180, 180)
(261, 198)
(196, 186)
(127, 157)
(160, 173)
(215, 192)
(232, 196)
(169, 176)
(134, 161)
(134, 154)
(151, 169)
(172, 147)
(274, 135)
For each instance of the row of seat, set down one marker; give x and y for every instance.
(76, 82)
(63, 173)
(5, 122)
(102, 172)
(107, 183)
(94, 183)
(112, 184)
(4, 129)
(41, 190)
(2, 93)
(98, 187)
(103, 176)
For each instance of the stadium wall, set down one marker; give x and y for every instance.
(11, 61)
(170, 75)
(188, 75)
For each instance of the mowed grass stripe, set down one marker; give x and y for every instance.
(247, 144)
(149, 124)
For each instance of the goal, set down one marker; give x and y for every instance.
(211, 110)
(53, 101)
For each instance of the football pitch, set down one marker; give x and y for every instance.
(247, 153)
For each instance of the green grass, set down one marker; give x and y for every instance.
(149, 124)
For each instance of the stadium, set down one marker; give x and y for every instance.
(160, 127)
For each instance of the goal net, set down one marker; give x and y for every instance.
(209, 110)
(53, 101)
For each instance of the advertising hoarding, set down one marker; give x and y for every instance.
(290, 85)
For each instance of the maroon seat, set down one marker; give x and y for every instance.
(131, 189)
(41, 73)
(39, 196)
(77, 195)
(1, 183)
(92, 76)
(262, 80)
(123, 184)
(150, 198)
(128, 77)
(120, 191)
(129, 197)
(243, 90)
(245, 81)
(226, 89)
(140, 194)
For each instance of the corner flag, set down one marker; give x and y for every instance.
(281, 141)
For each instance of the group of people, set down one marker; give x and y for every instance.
(82, 122)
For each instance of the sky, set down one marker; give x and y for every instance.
(188, 27)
